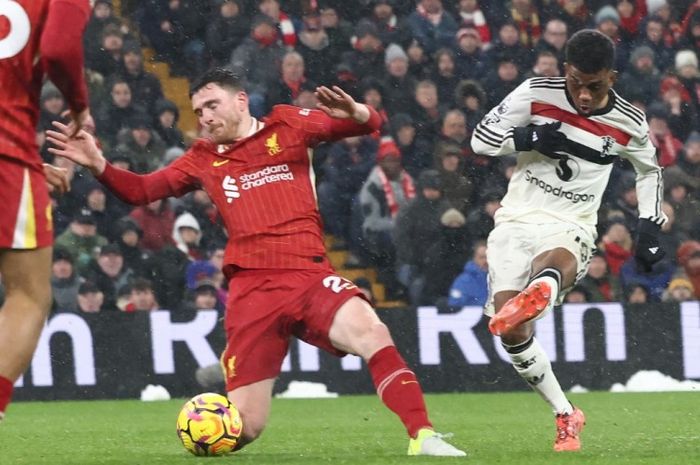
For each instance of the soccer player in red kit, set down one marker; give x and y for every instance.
(259, 175)
(37, 38)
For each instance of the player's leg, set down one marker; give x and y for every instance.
(26, 277)
(26, 235)
(552, 270)
(357, 329)
(253, 403)
(527, 356)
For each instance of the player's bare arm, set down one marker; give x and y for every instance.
(81, 149)
(336, 103)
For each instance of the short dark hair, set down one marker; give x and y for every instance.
(141, 284)
(219, 76)
(590, 51)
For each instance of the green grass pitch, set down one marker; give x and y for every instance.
(508, 429)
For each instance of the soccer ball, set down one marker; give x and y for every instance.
(209, 424)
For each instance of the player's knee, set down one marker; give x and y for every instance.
(375, 337)
(35, 302)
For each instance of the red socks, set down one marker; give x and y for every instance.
(399, 389)
(6, 387)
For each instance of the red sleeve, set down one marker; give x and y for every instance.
(319, 127)
(141, 189)
(62, 49)
(340, 128)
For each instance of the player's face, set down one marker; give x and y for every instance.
(589, 92)
(220, 112)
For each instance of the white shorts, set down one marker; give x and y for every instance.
(513, 246)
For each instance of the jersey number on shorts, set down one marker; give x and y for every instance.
(337, 284)
(19, 28)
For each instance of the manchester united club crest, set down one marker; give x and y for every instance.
(608, 143)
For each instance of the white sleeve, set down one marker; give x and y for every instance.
(494, 134)
(650, 186)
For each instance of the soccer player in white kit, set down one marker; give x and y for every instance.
(568, 132)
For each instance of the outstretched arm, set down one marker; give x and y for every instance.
(348, 118)
(130, 187)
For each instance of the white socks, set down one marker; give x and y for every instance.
(533, 365)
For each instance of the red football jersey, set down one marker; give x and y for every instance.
(262, 185)
(37, 37)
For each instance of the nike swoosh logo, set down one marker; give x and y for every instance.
(218, 163)
(408, 382)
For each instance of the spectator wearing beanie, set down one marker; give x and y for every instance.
(641, 80)
(367, 56)
(110, 274)
(65, 281)
(399, 86)
(415, 152)
(469, 54)
(387, 188)
(417, 229)
(607, 21)
(686, 62)
(679, 290)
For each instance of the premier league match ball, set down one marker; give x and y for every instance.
(209, 424)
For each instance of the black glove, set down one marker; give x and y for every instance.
(648, 251)
(545, 138)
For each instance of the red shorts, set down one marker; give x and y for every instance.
(25, 206)
(266, 307)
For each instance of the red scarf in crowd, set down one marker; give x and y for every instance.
(289, 35)
(409, 190)
(529, 28)
(477, 20)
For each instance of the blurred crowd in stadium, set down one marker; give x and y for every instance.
(413, 202)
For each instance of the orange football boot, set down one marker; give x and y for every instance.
(569, 426)
(523, 307)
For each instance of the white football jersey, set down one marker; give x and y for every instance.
(571, 188)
